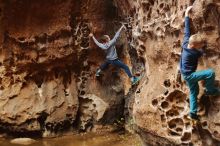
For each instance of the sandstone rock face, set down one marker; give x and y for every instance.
(48, 65)
(161, 106)
(35, 96)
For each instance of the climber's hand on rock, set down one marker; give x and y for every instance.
(188, 9)
(90, 35)
(124, 26)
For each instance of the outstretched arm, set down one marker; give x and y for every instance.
(187, 28)
(98, 43)
(113, 41)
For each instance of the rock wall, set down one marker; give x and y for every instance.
(161, 106)
(48, 64)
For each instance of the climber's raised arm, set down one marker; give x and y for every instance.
(113, 41)
(187, 28)
(103, 46)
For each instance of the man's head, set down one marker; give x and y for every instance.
(105, 39)
(196, 41)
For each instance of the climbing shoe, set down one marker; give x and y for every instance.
(194, 119)
(98, 73)
(135, 80)
(194, 122)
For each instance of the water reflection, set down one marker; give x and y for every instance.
(85, 140)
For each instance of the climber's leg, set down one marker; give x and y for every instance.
(120, 64)
(102, 67)
(194, 91)
(192, 81)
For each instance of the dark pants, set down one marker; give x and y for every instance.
(117, 63)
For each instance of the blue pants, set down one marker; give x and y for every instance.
(192, 81)
(117, 63)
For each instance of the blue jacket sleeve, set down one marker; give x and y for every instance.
(99, 44)
(186, 33)
(200, 53)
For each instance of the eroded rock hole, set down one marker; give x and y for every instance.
(176, 125)
(191, 2)
(161, 5)
(166, 92)
(179, 130)
(155, 102)
(21, 39)
(216, 133)
(172, 133)
(82, 86)
(163, 118)
(145, 6)
(186, 136)
(165, 105)
(42, 38)
(167, 83)
(172, 113)
(151, 2)
(177, 96)
(181, 8)
(172, 125)
(204, 124)
(82, 92)
(39, 80)
(170, 99)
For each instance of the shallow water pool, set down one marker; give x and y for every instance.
(84, 140)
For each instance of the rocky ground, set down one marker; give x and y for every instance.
(48, 62)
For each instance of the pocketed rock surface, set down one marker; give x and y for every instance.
(162, 105)
(48, 62)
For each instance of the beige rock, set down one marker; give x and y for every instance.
(23, 141)
(160, 108)
(47, 67)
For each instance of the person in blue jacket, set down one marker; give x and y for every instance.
(191, 52)
(112, 56)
